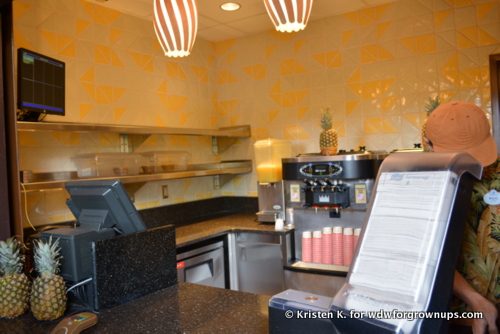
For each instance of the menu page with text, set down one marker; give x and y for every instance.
(397, 248)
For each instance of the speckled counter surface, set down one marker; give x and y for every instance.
(242, 222)
(183, 308)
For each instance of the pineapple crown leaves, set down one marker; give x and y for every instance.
(11, 261)
(326, 119)
(432, 104)
(47, 257)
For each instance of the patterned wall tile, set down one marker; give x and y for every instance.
(375, 67)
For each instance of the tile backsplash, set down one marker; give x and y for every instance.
(375, 67)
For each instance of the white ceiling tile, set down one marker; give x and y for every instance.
(253, 24)
(219, 33)
(249, 8)
(140, 8)
(205, 22)
(325, 8)
(215, 24)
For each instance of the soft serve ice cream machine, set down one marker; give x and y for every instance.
(327, 198)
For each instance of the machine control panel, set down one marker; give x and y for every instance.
(320, 169)
(326, 193)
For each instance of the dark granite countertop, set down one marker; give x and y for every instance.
(241, 222)
(183, 308)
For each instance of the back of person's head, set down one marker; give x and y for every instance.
(462, 126)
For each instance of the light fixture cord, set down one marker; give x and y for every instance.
(26, 206)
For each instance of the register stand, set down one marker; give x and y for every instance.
(406, 256)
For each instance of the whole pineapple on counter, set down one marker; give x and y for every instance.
(14, 284)
(48, 294)
(328, 139)
(429, 108)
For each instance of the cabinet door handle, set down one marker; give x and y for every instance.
(243, 253)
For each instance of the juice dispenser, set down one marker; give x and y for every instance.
(268, 155)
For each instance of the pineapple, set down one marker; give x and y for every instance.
(48, 294)
(328, 141)
(429, 107)
(14, 284)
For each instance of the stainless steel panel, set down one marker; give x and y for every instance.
(333, 268)
(260, 268)
(48, 181)
(288, 249)
(318, 284)
(236, 131)
(267, 216)
(200, 250)
(321, 158)
(233, 268)
(271, 201)
(354, 205)
(205, 269)
(259, 237)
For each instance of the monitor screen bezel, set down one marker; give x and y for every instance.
(111, 196)
(20, 89)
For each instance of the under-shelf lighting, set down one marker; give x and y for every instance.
(176, 23)
(230, 6)
(289, 15)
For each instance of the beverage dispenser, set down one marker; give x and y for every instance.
(329, 196)
(268, 156)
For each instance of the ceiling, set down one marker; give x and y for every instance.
(215, 25)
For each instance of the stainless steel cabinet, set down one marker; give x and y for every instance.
(203, 265)
(259, 262)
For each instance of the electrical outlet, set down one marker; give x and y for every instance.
(164, 191)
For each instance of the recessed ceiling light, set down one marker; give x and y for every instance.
(230, 6)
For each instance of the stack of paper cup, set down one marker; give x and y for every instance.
(317, 247)
(338, 257)
(327, 245)
(357, 232)
(306, 246)
(348, 245)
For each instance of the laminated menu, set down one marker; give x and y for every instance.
(398, 245)
(407, 253)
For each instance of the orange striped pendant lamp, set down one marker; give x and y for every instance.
(176, 23)
(289, 15)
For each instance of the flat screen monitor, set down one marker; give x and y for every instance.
(41, 85)
(101, 204)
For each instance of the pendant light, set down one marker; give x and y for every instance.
(289, 15)
(176, 23)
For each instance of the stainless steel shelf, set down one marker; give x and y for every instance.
(242, 131)
(43, 181)
(320, 266)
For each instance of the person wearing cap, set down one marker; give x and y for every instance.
(463, 126)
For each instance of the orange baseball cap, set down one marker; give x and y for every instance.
(462, 126)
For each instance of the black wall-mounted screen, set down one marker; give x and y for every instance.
(41, 83)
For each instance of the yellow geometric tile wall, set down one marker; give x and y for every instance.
(375, 68)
